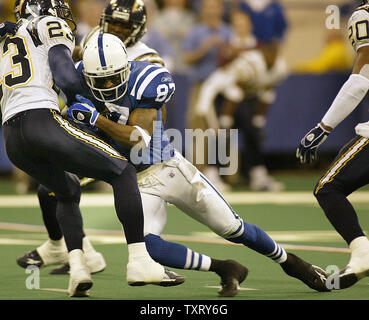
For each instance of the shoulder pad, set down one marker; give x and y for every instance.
(154, 86)
(358, 27)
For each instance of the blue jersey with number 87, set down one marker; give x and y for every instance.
(149, 86)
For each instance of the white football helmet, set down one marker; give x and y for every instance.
(106, 67)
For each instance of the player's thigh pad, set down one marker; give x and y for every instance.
(180, 183)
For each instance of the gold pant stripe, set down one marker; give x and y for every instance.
(342, 162)
(83, 136)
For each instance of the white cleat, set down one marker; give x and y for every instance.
(80, 279)
(49, 253)
(358, 266)
(142, 270)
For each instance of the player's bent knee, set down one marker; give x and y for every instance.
(73, 194)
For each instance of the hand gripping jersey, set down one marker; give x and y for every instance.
(149, 86)
(358, 27)
(25, 75)
(138, 52)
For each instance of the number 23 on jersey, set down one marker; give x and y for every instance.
(15, 49)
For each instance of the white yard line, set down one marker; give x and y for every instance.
(116, 237)
(106, 200)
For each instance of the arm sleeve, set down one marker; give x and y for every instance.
(347, 99)
(65, 75)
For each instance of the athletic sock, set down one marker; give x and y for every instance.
(175, 255)
(256, 239)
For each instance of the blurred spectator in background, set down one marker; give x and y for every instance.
(335, 56)
(248, 84)
(242, 38)
(202, 50)
(153, 37)
(202, 46)
(175, 22)
(89, 13)
(268, 19)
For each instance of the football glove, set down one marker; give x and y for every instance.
(8, 28)
(307, 150)
(83, 111)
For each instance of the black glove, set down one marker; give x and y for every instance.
(307, 150)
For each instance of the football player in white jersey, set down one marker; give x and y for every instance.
(349, 171)
(125, 19)
(35, 63)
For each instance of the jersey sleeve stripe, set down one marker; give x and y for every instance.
(133, 92)
(147, 81)
(101, 50)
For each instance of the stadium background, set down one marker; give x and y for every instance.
(292, 217)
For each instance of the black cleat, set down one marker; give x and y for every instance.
(31, 258)
(171, 279)
(313, 276)
(63, 269)
(232, 274)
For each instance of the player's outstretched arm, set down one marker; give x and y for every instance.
(348, 98)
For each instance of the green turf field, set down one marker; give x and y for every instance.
(297, 222)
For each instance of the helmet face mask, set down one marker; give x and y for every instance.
(106, 67)
(130, 15)
(24, 9)
(108, 88)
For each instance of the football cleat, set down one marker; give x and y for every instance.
(232, 274)
(94, 260)
(31, 258)
(80, 279)
(313, 276)
(357, 268)
(45, 255)
(142, 270)
(171, 279)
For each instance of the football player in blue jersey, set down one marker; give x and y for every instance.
(134, 93)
